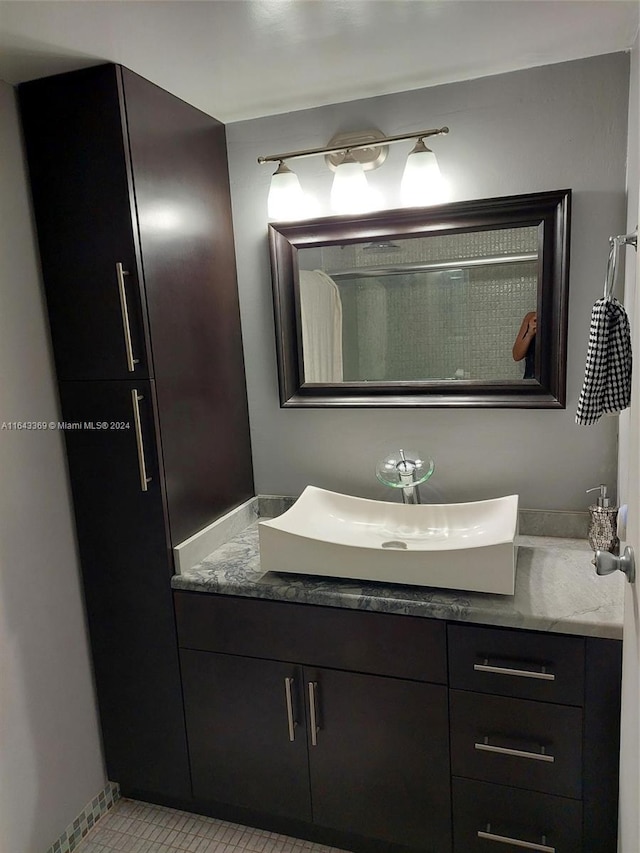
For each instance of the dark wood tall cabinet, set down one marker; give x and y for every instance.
(131, 198)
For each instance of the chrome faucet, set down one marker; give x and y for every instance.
(407, 475)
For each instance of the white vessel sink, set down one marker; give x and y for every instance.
(466, 546)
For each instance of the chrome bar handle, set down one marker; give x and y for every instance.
(315, 728)
(485, 746)
(290, 720)
(144, 480)
(543, 675)
(516, 842)
(131, 361)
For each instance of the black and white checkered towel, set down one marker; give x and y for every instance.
(607, 376)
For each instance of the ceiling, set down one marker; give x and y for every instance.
(239, 59)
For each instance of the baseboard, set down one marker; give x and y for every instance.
(88, 817)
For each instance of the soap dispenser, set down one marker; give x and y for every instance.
(603, 534)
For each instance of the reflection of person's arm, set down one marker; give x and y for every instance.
(525, 336)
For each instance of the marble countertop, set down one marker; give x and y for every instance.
(557, 589)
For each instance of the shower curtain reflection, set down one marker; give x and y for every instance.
(321, 317)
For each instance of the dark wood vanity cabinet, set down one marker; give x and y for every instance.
(356, 753)
(371, 725)
(362, 754)
(131, 199)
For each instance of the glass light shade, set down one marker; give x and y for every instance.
(350, 192)
(286, 200)
(422, 182)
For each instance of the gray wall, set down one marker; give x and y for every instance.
(554, 127)
(50, 759)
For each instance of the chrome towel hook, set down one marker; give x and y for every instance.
(615, 244)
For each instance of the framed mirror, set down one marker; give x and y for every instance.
(463, 304)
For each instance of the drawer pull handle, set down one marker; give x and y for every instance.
(144, 480)
(131, 361)
(290, 720)
(485, 746)
(516, 842)
(313, 713)
(543, 675)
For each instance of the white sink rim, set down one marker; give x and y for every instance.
(468, 546)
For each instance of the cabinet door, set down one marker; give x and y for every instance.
(127, 571)
(247, 734)
(183, 203)
(83, 204)
(379, 757)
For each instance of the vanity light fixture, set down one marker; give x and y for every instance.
(422, 178)
(349, 155)
(286, 199)
(350, 192)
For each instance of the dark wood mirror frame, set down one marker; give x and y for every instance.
(548, 211)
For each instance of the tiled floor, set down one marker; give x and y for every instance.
(134, 827)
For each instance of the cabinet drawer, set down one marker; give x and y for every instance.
(378, 643)
(493, 819)
(524, 664)
(516, 742)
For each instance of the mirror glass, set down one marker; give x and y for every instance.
(444, 307)
(462, 304)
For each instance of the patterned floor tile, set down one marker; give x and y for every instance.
(134, 827)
